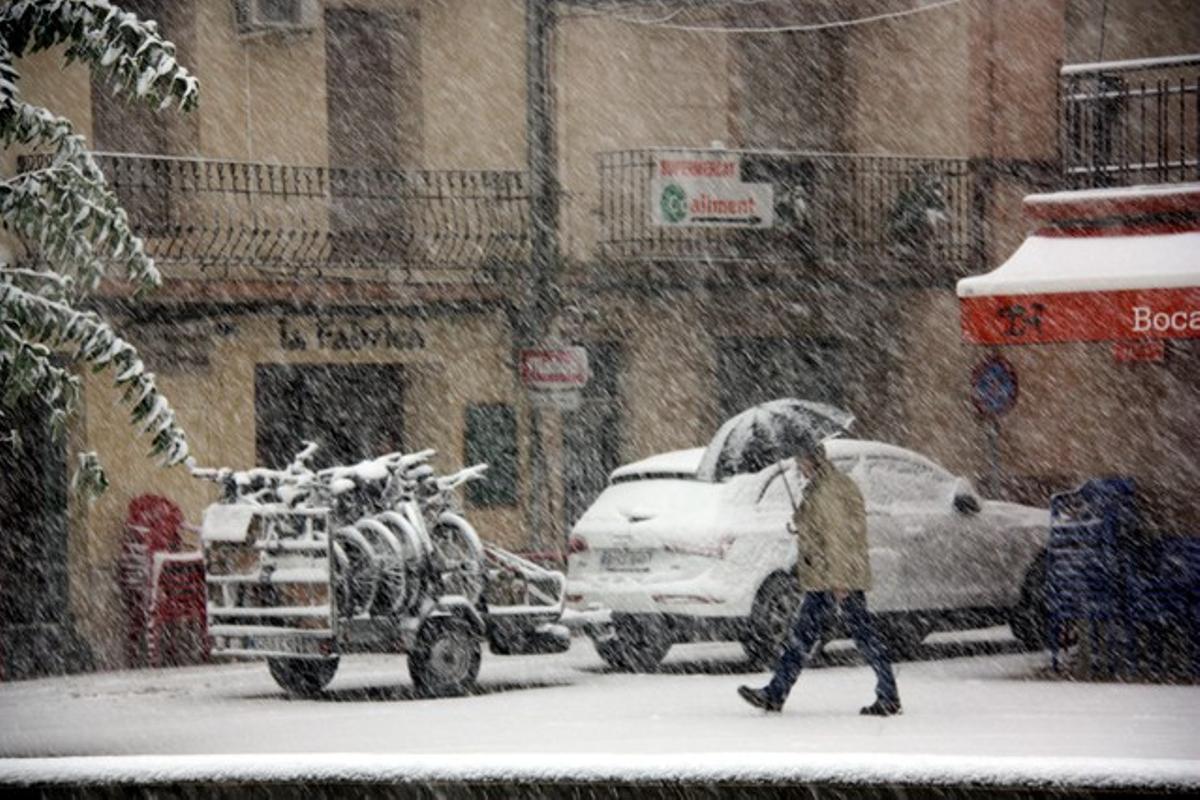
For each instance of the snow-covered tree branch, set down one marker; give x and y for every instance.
(71, 223)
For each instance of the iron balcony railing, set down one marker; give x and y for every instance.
(215, 218)
(1129, 122)
(844, 211)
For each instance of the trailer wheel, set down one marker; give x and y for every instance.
(302, 677)
(635, 645)
(444, 662)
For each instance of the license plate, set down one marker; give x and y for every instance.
(626, 560)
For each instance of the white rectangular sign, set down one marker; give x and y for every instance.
(711, 203)
(554, 368)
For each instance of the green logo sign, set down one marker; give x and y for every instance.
(673, 203)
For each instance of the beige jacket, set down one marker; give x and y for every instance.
(831, 532)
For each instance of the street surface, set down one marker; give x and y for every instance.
(971, 696)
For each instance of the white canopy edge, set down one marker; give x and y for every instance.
(1114, 193)
(1163, 62)
(1056, 264)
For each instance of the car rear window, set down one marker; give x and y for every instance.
(654, 476)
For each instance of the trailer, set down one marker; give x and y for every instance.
(303, 567)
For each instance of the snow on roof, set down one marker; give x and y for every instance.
(1154, 190)
(1111, 206)
(859, 448)
(674, 464)
(1160, 62)
(685, 462)
(1052, 264)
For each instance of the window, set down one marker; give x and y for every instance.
(373, 105)
(491, 438)
(890, 481)
(145, 185)
(776, 492)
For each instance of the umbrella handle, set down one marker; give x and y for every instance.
(788, 486)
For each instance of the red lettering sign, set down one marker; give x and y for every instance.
(1082, 316)
(555, 368)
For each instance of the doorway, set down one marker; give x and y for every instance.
(353, 411)
(592, 434)
(37, 636)
(752, 370)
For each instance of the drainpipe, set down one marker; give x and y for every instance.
(537, 300)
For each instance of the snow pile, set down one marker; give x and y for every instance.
(863, 769)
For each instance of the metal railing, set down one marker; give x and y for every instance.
(1130, 122)
(829, 208)
(219, 218)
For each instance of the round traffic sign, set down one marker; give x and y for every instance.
(994, 387)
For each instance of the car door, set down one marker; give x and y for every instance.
(914, 502)
(773, 502)
(887, 542)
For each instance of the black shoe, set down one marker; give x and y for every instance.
(882, 708)
(759, 699)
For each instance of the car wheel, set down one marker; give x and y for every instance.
(1028, 619)
(636, 645)
(771, 620)
(302, 677)
(444, 661)
(904, 636)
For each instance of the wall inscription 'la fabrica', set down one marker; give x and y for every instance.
(348, 335)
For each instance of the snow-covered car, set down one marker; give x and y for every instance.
(680, 559)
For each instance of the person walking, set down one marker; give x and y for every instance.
(834, 570)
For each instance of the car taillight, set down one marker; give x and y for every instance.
(577, 544)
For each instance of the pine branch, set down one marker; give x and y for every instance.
(68, 216)
(115, 43)
(95, 343)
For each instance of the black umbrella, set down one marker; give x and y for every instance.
(767, 433)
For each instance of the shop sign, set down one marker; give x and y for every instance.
(705, 190)
(1154, 350)
(712, 204)
(553, 369)
(994, 387)
(1127, 315)
(348, 335)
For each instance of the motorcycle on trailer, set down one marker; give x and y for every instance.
(304, 566)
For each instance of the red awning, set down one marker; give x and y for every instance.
(1106, 265)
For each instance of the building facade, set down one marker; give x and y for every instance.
(343, 225)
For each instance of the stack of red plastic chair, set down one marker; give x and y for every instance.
(153, 525)
(178, 596)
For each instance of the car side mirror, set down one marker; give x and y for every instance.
(967, 503)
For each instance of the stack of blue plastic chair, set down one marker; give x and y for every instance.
(1168, 598)
(1085, 568)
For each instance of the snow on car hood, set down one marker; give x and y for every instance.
(648, 513)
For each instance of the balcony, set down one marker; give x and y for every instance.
(223, 220)
(1130, 122)
(835, 215)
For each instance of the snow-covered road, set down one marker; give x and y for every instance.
(981, 699)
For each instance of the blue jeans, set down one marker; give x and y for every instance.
(810, 624)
